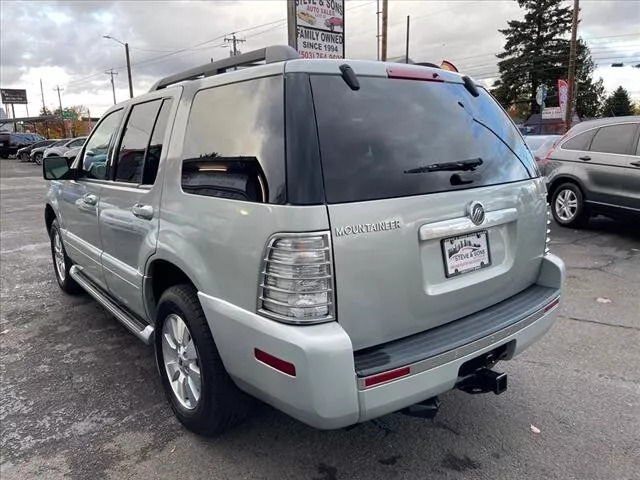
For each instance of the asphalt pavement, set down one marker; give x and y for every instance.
(80, 397)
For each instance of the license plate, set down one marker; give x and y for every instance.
(465, 253)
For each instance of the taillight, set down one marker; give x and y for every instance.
(297, 279)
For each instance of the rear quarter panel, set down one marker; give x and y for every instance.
(219, 243)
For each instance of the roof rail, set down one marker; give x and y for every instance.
(273, 54)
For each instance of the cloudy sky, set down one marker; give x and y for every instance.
(61, 42)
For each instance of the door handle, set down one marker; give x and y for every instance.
(635, 164)
(90, 199)
(586, 158)
(142, 211)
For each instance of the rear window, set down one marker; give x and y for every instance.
(371, 138)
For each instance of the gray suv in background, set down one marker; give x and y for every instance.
(595, 169)
(340, 239)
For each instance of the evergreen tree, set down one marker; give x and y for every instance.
(617, 104)
(536, 52)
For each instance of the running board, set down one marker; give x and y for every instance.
(142, 331)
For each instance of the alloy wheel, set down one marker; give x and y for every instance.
(566, 205)
(181, 361)
(58, 257)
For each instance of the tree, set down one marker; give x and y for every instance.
(617, 104)
(536, 52)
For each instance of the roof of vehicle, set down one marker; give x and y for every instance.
(588, 125)
(283, 59)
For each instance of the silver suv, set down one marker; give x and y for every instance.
(339, 239)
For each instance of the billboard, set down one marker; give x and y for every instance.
(13, 95)
(316, 28)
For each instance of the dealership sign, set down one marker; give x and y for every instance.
(316, 28)
(13, 95)
(552, 113)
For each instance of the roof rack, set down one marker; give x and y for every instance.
(273, 54)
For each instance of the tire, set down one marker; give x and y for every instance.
(567, 206)
(61, 262)
(220, 405)
(38, 158)
(24, 157)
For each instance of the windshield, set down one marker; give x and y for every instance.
(373, 139)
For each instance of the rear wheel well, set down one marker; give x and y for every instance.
(559, 181)
(49, 216)
(163, 275)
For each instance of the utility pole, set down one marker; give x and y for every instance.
(113, 87)
(64, 130)
(406, 52)
(385, 13)
(572, 65)
(378, 29)
(235, 42)
(44, 108)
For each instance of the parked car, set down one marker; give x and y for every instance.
(540, 146)
(59, 149)
(333, 22)
(24, 154)
(72, 153)
(37, 153)
(595, 169)
(11, 142)
(338, 265)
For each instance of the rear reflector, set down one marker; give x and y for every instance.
(413, 74)
(552, 305)
(386, 376)
(275, 362)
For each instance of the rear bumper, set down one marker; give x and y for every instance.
(326, 392)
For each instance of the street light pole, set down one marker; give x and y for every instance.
(126, 50)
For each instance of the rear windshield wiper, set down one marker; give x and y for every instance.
(460, 166)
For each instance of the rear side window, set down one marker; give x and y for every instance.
(234, 144)
(614, 139)
(130, 159)
(392, 137)
(580, 142)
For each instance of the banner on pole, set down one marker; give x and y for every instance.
(563, 96)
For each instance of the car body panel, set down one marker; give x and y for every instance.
(79, 226)
(128, 241)
(407, 268)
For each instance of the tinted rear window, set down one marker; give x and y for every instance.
(370, 137)
(614, 139)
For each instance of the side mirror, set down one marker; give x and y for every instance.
(55, 168)
(89, 153)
